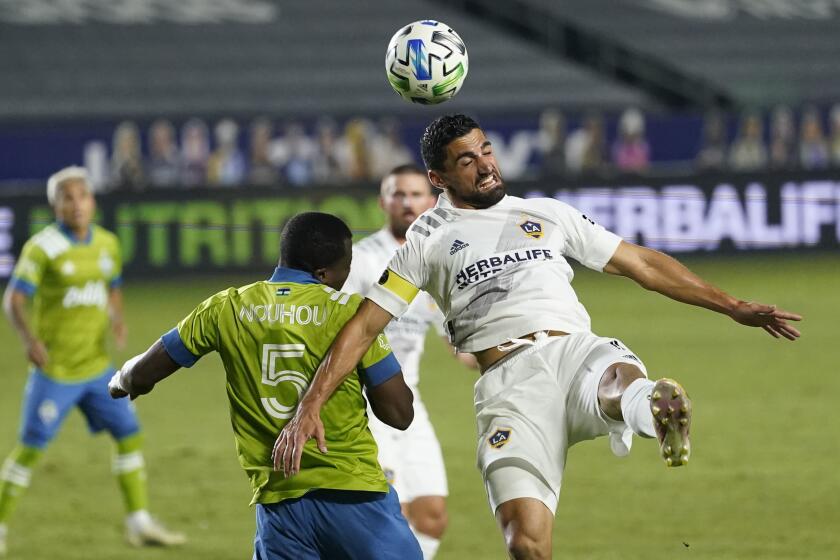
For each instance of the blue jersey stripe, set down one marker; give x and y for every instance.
(176, 349)
(22, 286)
(381, 371)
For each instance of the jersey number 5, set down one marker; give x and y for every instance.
(271, 375)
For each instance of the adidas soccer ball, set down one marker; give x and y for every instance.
(426, 62)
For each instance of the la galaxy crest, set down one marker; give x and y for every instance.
(532, 228)
(499, 438)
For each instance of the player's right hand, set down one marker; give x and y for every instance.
(37, 353)
(115, 388)
(288, 448)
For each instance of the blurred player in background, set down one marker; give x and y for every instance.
(547, 381)
(271, 336)
(412, 459)
(72, 272)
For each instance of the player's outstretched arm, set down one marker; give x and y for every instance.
(345, 353)
(393, 402)
(140, 374)
(660, 273)
(14, 305)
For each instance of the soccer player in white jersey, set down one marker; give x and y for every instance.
(547, 381)
(412, 459)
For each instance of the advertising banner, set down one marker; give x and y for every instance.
(213, 230)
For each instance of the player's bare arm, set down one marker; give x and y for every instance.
(392, 401)
(344, 355)
(140, 374)
(660, 273)
(14, 305)
(115, 310)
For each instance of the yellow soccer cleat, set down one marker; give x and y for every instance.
(671, 409)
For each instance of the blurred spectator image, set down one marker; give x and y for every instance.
(835, 135)
(261, 172)
(294, 154)
(585, 146)
(126, 159)
(195, 150)
(748, 152)
(163, 166)
(354, 150)
(226, 166)
(712, 154)
(813, 147)
(326, 167)
(631, 152)
(552, 143)
(389, 150)
(782, 139)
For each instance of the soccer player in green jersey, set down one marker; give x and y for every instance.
(271, 336)
(71, 270)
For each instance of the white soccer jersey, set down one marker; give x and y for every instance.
(407, 334)
(499, 272)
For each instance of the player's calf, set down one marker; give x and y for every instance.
(671, 410)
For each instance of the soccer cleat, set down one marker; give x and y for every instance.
(671, 409)
(152, 533)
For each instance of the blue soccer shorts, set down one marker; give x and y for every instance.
(335, 524)
(46, 403)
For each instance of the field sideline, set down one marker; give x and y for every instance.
(763, 480)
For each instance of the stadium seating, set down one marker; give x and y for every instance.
(96, 69)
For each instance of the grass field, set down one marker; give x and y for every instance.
(763, 480)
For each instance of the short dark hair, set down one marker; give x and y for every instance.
(313, 240)
(439, 134)
(407, 169)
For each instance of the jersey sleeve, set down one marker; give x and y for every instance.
(402, 280)
(378, 364)
(197, 334)
(29, 270)
(359, 280)
(586, 242)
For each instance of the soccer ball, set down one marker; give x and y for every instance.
(426, 62)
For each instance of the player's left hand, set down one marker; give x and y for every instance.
(120, 334)
(768, 317)
(115, 388)
(288, 448)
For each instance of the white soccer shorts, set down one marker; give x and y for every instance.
(533, 406)
(412, 459)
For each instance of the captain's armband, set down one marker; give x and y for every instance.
(393, 293)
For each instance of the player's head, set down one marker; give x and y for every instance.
(70, 195)
(404, 194)
(460, 160)
(320, 244)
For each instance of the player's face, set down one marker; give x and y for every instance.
(470, 172)
(336, 275)
(74, 204)
(403, 198)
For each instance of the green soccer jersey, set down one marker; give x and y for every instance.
(271, 336)
(69, 281)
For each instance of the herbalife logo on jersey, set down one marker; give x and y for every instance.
(457, 245)
(490, 266)
(92, 294)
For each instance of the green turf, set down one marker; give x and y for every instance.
(763, 481)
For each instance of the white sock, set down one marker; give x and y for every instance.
(138, 518)
(428, 545)
(635, 407)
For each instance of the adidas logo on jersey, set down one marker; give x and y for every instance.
(457, 245)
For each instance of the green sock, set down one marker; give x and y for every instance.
(131, 472)
(14, 477)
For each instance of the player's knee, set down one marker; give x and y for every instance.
(431, 517)
(615, 380)
(522, 546)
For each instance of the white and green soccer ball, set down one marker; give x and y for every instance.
(426, 62)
